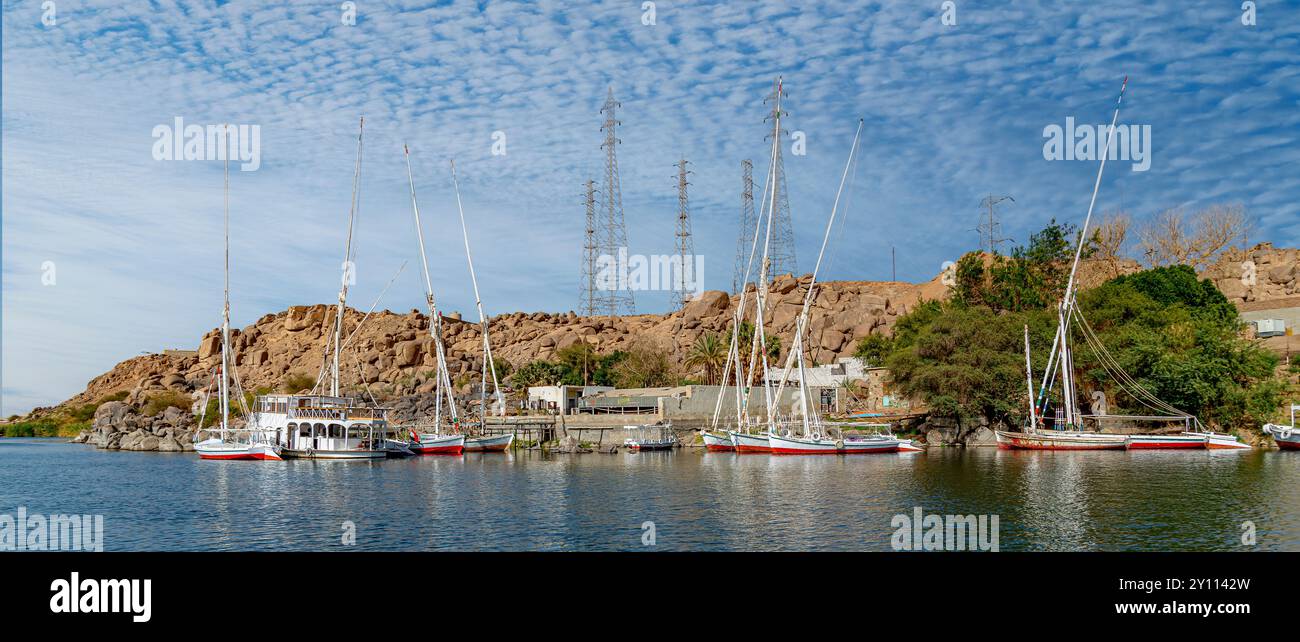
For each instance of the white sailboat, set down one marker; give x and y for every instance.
(442, 440)
(1068, 432)
(482, 442)
(230, 443)
(333, 426)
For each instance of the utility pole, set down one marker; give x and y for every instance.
(989, 227)
(685, 247)
(588, 301)
(747, 223)
(618, 297)
(781, 252)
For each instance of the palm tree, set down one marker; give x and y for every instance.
(710, 353)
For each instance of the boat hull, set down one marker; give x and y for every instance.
(639, 446)
(354, 454)
(1166, 442)
(1286, 437)
(744, 443)
(874, 446)
(494, 444)
(802, 446)
(219, 450)
(717, 443)
(1217, 441)
(1063, 441)
(439, 445)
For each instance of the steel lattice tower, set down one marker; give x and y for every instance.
(781, 251)
(618, 298)
(588, 298)
(685, 247)
(746, 239)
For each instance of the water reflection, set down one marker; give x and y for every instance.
(1194, 500)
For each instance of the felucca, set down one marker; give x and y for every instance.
(230, 443)
(1068, 433)
(439, 441)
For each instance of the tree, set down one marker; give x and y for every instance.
(1109, 240)
(873, 349)
(646, 364)
(1173, 237)
(709, 353)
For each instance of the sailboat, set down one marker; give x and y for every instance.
(1287, 437)
(333, 426)
(743, 437)
(482, 442)
(437, 442)
(1067, 432)
(230, 443)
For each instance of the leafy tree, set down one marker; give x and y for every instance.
(709, 353)
(874, 349)
(645, 365)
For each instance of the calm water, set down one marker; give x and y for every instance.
(1195, 500)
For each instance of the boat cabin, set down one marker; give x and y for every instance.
(319, 423)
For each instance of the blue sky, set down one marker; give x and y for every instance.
(952, 112)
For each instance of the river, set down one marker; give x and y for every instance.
(682, 500)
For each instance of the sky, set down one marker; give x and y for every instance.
(109, 252)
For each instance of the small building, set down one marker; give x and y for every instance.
(1274, 322)
(561, 399)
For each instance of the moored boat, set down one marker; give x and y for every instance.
(1059, 440)
(1286, 437)
(717, 443)
(437, 444)
(749, 443)
(489, 443)
(1162, 442)
(875, 444)
(651, 438)
(220, 448)
(1220, 441)
(811, 445)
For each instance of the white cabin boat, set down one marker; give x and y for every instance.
(323, 427)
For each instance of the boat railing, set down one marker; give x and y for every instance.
(341, 414)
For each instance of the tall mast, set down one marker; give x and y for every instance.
(435, 319)
(795, 357)
(1067, 303)
(1029, 379)
(225, 309)
(347, 264)
(761, 299)
(488, 364)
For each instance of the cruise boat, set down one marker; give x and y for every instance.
(230, 443)
(323, 427)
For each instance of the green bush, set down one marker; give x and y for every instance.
(164, 400)
(296, 381)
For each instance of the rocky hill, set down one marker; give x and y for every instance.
(391, 355)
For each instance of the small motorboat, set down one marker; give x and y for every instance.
(489, 443)
(873, 444)
(658, 437)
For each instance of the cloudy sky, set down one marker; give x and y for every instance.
(108, 253)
